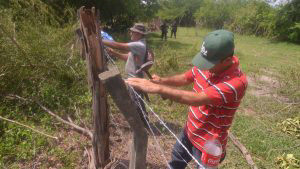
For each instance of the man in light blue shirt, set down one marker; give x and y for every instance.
(135, 50)
(134, 57)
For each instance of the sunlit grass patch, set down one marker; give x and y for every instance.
(274, 67)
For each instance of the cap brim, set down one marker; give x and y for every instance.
(138, 31)
(202, 63)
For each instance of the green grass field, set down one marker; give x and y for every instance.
(261, 124)
(272, 96)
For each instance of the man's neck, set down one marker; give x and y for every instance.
(221, 69)
(138, 39)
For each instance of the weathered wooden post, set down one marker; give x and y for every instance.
(115, 85)
(95, 65)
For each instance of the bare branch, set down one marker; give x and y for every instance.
(243, 149)
(77, 116)
(74, 126)
(35, 130)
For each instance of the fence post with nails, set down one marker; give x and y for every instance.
(116, 87)
(95, 65)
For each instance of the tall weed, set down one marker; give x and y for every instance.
(39, 61)
(290, 82)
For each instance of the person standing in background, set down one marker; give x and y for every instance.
(134, 56)
(174, 29)
(164, 30)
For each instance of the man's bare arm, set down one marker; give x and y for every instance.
(177, 80)
(123, 56)
(184, 97)
(180, 96)
(116, 45)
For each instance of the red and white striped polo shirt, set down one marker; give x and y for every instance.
(225, 90)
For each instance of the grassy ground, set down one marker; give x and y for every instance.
(272, 96)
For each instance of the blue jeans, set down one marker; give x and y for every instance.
(179, 155)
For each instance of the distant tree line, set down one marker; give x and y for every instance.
(116, 14)
(256, 17)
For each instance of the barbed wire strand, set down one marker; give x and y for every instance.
(150, 128)
(161, 121)
(164, 124)
(144, 114)
(109, 57)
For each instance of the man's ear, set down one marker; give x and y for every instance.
(227, 60)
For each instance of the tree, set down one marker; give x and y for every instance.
(119, 15)
(182, 10)
(213, 13)
(150, 8)
(287, 24)
(254, 17)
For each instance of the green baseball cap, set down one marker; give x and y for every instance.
(217, 46)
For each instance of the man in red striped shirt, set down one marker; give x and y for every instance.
(219, 86)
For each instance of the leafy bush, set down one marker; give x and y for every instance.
(168, 60)
(255, 17)
(213, 14)
(288, 161)
(38, 60)
(287, 22)
(252, 17)
(291, 126)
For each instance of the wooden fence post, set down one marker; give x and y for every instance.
(117, 89)
(96, 64)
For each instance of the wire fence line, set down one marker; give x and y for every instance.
(170, 131)
(150, 128)
(155, 139)
(160, 120)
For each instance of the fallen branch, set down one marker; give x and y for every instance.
(77, 116)
(35, 130)
(243, 149)
(74, 126)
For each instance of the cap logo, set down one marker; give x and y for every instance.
(203, 50)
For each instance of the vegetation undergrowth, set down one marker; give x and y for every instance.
(39, 61)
